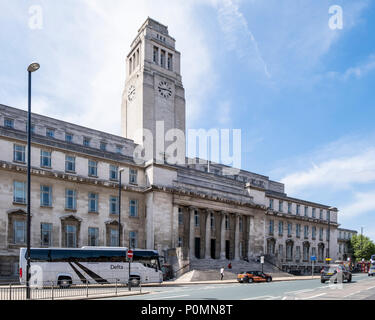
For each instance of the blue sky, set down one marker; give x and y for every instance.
(301, 93)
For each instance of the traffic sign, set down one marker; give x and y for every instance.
(313, 258)
(130, 254)
(262, 259)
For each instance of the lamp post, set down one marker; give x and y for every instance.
(121, 170)
(329, 231)
(32, 68)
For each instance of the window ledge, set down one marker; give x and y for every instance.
(46, 167)
(70, 210)
(46, 207)
(16, 246)
(93, 212)
(19, 162)
(19, 203)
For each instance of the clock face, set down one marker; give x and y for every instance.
(131, 93)
(165, 89)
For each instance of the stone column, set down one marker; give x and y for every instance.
(208, 235)
(192, 233)
(237, 238)
(222, 236)
(250, 234)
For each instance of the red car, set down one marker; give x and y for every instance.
(253, 276)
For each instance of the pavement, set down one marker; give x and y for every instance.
(179, 283)
(361, 288)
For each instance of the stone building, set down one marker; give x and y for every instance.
(190, 212)
(345, 251)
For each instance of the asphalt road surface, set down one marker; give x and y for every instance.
(362, 287)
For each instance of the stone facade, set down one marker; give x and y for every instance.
(186, 212)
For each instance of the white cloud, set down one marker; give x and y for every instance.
(335, 173)
(358, 71)
(363, 202)
(239, 37)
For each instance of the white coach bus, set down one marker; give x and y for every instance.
(93, 265)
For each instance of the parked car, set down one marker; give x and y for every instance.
(371, 271)
(340, 272)
(253, 276)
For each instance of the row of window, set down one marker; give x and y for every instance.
(19, 197)
(70, 236)
(50, 133)
(212, 220)
(298, 210)
(306, 230)
(134, 61)
(70, 164)
(162, 58)
(345, 235)
(289, 252)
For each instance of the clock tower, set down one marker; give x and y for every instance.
(154, 97)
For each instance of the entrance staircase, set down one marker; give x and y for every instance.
(209, 269)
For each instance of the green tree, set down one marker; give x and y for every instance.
(363, 247)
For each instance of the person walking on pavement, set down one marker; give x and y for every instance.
(222, 273)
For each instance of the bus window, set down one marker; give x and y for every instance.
(39, 255)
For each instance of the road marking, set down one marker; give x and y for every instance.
(300, 291)
(371, 288)
(318, 295)
(170, 297)
(261, 297)
(352, 294)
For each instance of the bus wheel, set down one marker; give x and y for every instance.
(134, 282)
(64, 282)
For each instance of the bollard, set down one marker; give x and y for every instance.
(52, 290)
(87, 288)
(116, 287)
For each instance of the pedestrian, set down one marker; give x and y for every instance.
(222, 273)
(230, 265)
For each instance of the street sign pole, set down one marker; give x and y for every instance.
(130, 257)
(313, 259)
(262, 262)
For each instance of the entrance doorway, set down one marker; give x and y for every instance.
(213, 248)
(198, 248)
(227, 249)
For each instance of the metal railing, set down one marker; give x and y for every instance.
(53, 291)
(176, 273)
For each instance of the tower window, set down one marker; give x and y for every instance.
(170, 62)
(156, 55)
(130, 65)
(162, 58)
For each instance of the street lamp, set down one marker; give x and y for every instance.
(329, 231)
(121, 170)
(32, 68)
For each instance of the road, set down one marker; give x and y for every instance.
(361, 288)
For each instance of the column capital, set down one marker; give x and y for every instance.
(193, 208)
